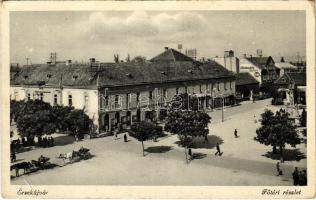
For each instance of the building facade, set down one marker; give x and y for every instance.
(118, 94)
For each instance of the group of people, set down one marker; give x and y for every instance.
(299, 177)
(46, 141)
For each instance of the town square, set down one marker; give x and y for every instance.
(158, 98)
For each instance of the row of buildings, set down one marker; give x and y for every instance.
(121, 93)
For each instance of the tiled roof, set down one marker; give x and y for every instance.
(175, 67)
(284, 65)
(260, 61)
(117, 74)
(297, 78)
(245, 79)
(171, 55)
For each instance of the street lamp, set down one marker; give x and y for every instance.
(221, 97)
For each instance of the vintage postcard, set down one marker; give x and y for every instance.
(158, 99)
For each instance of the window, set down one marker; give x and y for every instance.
(200, 88)
(41, 96)
(127, 100)
(55, 99)
(225, 85)
(150, 95)
(137, 97)
(230, 84)
(28, 96)
(16, 95)
(177, 90)
(217, 84)
(186, 89)
(164, 93)
(116, 100)
(70, 100)
(74, 77)
(106, 101)
(86, 101)
(49, 76)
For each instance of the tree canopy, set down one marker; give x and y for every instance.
(37, 118)
(143, 131)
(187, 124)
(277, 130)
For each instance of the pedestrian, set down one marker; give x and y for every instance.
(218, 149)
(295, 176)
(13, 156)
(300, 178)
(52, 140)
(45, 142)
(235, 133)
(39, 141)
(23, 142)
(48, 142)
(115, 134)
(304, 177)
(190, 154)
(205, 138)
(278, 169)
(125, 137)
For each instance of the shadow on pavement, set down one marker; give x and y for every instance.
(198, 156)
(158, 149)
(200, 143)
(64, 140)
(288, 155)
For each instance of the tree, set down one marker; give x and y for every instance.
(303, 118)
(187, 124)
(277, 130)
(15, 109)
(35, 118)
(78, 122)
(143, 131)
(61, 113)
(139, 60)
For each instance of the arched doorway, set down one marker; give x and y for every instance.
(117, 119)
(106, 124)
(128, 118)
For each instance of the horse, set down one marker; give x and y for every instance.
(23, 165)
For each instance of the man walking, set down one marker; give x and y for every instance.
(190, 154)
(278, 169)
(235, 133)
(218, 149)
(125, 137)
(295, 176)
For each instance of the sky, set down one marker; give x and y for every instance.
(81, 35)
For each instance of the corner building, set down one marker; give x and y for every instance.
(125, 92)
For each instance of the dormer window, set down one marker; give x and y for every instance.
(163, 73)
(25, 76)
(190, 71)
(74, 77)
(49, 76)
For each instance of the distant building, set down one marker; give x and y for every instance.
(283, 67)
(246, 85)
(114, 94)
(263, 69)
(292, 87)
(192, 53)
(229, 61)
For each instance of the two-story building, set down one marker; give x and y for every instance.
(122, 93)
(261, 68)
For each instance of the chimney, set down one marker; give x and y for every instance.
(92, 60)
(68, 62)
(166, 48)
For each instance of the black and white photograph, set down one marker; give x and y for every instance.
(159, 97)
